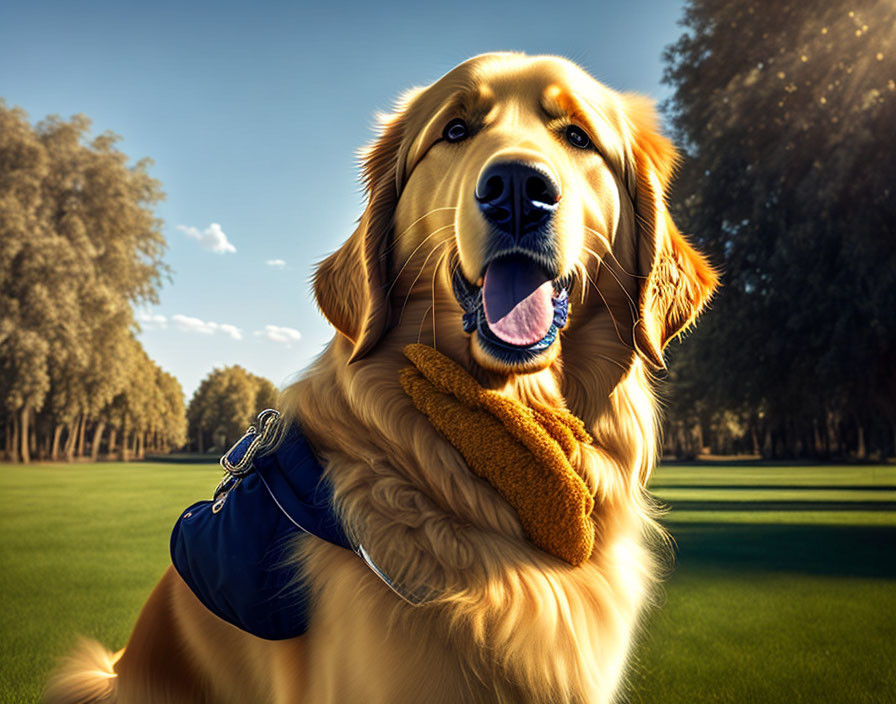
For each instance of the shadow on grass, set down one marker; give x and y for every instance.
(775, 487)
(735, 462)
(784, 505)
(841, 551)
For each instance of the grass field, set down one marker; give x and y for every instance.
(783, 589)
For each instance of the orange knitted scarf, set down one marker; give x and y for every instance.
(522, 452)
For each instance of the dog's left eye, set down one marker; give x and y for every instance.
(456, 130)
(577, 137)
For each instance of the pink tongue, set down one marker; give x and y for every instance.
(516, 296)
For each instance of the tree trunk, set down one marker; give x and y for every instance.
(199, 440)
(57, 436)
(97, 439)
(123, 455)
(113, 437)
(833, 440)
(796, 440)
(768, 446)
(680, 441)
(861, 451)
(24, 435)
(14, 453)
(32, 439)
(79, 452)
(138, 445)
(816, 435)
(71, 440)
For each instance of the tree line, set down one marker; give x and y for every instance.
(79, 247)
(225, 404)
(79, 244)
(786, 113)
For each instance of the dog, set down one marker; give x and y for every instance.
(512, 177)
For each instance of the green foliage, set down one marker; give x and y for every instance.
(79, 244)
(225, 404)
(785, 112)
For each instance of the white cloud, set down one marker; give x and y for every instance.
(275, 333)
(276, 263)
(211, 238)
(231, 330)
(151, 321)
(188, 324)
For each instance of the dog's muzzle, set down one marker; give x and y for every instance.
(475, 318)
(518, 199)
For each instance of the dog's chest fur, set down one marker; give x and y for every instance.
(529, 635)
(513, 624)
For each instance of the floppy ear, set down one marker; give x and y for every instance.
(676, 280)
(351, 284)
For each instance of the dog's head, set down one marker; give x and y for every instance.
(523, 203)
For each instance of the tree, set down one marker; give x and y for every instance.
(79, 245)
(225, 404)
(785, 112)
(174, 416)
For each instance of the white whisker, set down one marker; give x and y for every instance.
(608, 268)
(395, 238)
(416, 278)
(609, 251)
(613, 318)
(435, 271)
(422, 321)
(411, 255)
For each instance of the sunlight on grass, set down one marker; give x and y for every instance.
(783, 588)
(82, 546)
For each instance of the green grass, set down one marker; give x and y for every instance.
(783, 588)
(81, 547)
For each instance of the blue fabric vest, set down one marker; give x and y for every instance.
(231, 551)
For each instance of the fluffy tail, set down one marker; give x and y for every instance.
(87, 676)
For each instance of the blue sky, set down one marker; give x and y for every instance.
(253, 114)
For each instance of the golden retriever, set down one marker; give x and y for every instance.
(511, 174)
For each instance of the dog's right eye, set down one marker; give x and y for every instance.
(456, 131)
(577, 137)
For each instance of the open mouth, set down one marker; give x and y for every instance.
(518, 310)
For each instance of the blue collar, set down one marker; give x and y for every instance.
(235, 551)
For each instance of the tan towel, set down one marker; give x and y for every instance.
(521, 451)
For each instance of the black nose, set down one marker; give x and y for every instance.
(517, 198)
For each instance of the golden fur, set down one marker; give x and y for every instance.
(510, 623)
